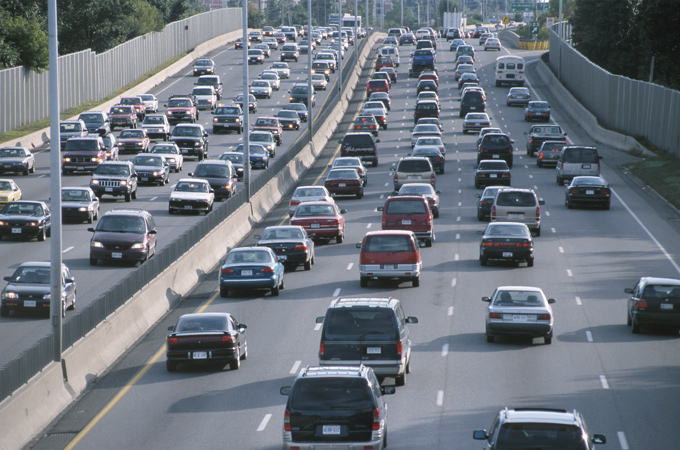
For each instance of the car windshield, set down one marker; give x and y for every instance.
(31, 275)
(180, 104)
(426, 151)
(75, 195)
(309, 192)
(5, 186)
(427, 128)
(281, 233)
(131, 134)
(212, 170)
(12, 152)
(118, 110)
(148, 161)
(249, 256)
(299, 90)
(516, 198)
(31, 209)
(315, 210)
(414, 165)
(203, 62)
(331, 393)
(233, 157)
(287, 114)
(186, 131)
(260, 84)
(91, 118)
(255, 149)
(202, 91)
(121, 224)
(539, 105)
(147, 97)
(112, 169)
(165, 149)
(493, 165)
(193, 323)
(261, 137)
(191, 186)
(358, 324)
(154, 120)
(541, 435)
(414, 189)
(266, 122)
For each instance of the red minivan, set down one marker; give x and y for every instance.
(412, 213)
(377, 86)
(391, 255)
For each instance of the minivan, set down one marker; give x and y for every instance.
(518, 205)
(391, 255)
(409, 212)
(413, 169)
(472, 101)
(577, 161)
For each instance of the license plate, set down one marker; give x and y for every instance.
(108, 189)
(282, 257)
(200, 355)
(515, 216)
(590, 192)
(331, 429)
(388, 266)
(188, 206)
(414, 177)
(145, 178)
(80, 168)
(29, 303)
(666, 306)
(493, 175)
(342, 184)
(16, 230)
(246, 273)
(585, 166)
(185, 150)
(496, 156)
(520, 317)
(507, 254)
(316, 225)
(373, 350)
(116, 255)
(406, 222)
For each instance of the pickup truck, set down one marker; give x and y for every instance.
(541, 133)
(423, 59)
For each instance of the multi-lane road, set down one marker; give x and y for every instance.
(626, 385)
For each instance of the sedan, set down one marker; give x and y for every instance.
(344, 181)
(353, 162)
(299, 108)
(321, 220)
(423, 131)
(206, 338)
(537, 111)
(152, 169)
(508, 241)
(464, 68)
(492, 172)
(431, 141)
(549, 153)
(492, 44)
(191, 195)
(654, 301)
(383, 97)
(259, 156)
(261, 89)
(26, 219)
(172, 154)
(291, 244)
(134, 141)
(465, 59)
(308, 194)
(249, 268)
(265, 139)
(426, 85)
(475, 122)
(424, 190)
(282, 68)
(16, 160)
(519, 310)
(467, 78)
(588, 191)
(486, 199)
(28, 289)
(366, 123)
(290, 120)
(430, 121)
(255, 56)
(265, 49)
(236, 161)
(79, 204)
(9, 191)
(518, 96)
(319, 82)
(252, 102)
(273, 78)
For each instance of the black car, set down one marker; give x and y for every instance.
(206, 338)
(227, 118)
(96, 122)
(25, 219)
(472, 101)
(290, 51)
(537, 110)
(290, 120)
(362, 145)
(433, 154)
(492, 172)
(116, 178)
(125, 235)
(299, 108)
(426, 108)
(496, 146)
(28, 289)
(291, 244)
(221, 176)
(299, 94)
(426, 85)
(654, 301)
(485, 202)
(588, 191)
(152, 168)
(407, 39)
(366, 123)
(507, 241)
(236, 161)
(338, 406)
(383, 97)
(192, 140)
(549, 153)
(255, 56)
(252, 102)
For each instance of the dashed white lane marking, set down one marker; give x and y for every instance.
(445, 349)
(317, 327)
(68, 249)
(547, 213)
(589, 336)
(535, 187)
(456, 257)
(386, 184)
(336, 292)
(560, 249)
(295, 367)
(349, 266)
(369, 225)
(623, 442)
(440, 398)
(382, 195)
(153, 198)
(459, 180)
(578, 301)
(450, 311)
(457, 235)
(458, 219)
(42, 176)
(265, 421)
(569, 273)
(603, 381)
(460, 191)
(552, 230)
(453, 282)
(531, 176)
(460, 203)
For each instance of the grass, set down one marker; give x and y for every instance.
(45, 123)
(661, 173)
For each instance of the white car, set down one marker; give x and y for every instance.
(193, 195)
(156, 126)
(282, 68)
(204, 97)
(151, 102)
(375, 105)
(261, 89)
(425, 130)
(273, 78)
(172, 153)
(308, 194)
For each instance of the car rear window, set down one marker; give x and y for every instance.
(473, 98)
(515, 199)
(426, 106)
(392, 244)
(331, 393)
(661, 291)
(414, 165)
(490, 139)
(354, 140)
(580, 155)
(406, 207)
(355, 324)
(541, 435)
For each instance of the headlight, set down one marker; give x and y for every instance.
(140, 143)
(94, 159)
(10, 295)
(96, 244)
(169, 113)
(94, 182)
(138, 246)
(197, 144)
(172, 160)
(82, 209)
(67, 160)
(32, 224)
(123, 182)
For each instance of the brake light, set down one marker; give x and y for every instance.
(493, 211)
(495, 316)
(573, 191)
(642, 303)
(605, 191)
(227, 270)
(376, 419)
(481, 149)
(510, 149)
(538, 212)
(228, 339)
(300, 247)
(322, 348)
(526, 244)
(286, 421)
(172, 341)
(544, 317)
(432, 177)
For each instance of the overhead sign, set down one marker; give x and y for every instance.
(523, 6)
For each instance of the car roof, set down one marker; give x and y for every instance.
(658, 280)
(555, 416)
(372, 302)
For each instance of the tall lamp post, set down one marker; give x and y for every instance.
(310, 89)
(246, 105)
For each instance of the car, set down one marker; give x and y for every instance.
(540, 133)
(455, 43)
(123, 235)
(529, 427)
(374, 105)
(377, 86)
(116, 178)
(467, 78)
(181, 108)
(291, 244)
(329, 58)
(588, 190)
(485, 131)
(424, 130)
(211, 80)
(366, 123)
(506, 241)
(156, 126)
(255, 36)
(83, 154)
(252, 103)
(191, 195)
(353, 162)
(322, 220)
(266, 50)
(428, 95)
(289, 120)
(382, 75)
(122, 116)
(426, 190)
(464, 68)
(236, 161)
(251, 268)
(299, 94)
(17, 160)
(96, 122)
(485, 202)
(410, 213)
(475, 121)
(282, 68)
(492, 172)
(472, 101)
(484, 37)
(433, 154)
(371, 331)
(204, 97)
(238, 44)
(137, 102)
(378, 113)
(271, 42)
(518, 96)
(308, 194)
(549, 153)
(413, 169)
(407, 39)
(72, 128)
(192, 140)
(9, 191)
(654, 301)
(111, 147)
(319, 82)
(430, 141)
(152, 169)
(519, 310)
(26, 220)
(344, 181)
(265, 139)
(537, 110)
(425, 108)
(518, 205)
(290, 51)
(271, 125)
(221, 176)
(465, 50)
(280, 37)
(273, 78)
(261, 89)
(134, 141)
(299, 108)
(259, 155)
(172, 154)
(465, 59)
(319, 394)
(227, 118)
(390, 40)
(382, 97)
(362, 145)
(79, 204)
(150, 102)
(577, 160)
(492, 44)
(495, 146)
(430, 121)
(426, 85)
(268, 32)
(214, 338)
(29, 289)
(322, 68)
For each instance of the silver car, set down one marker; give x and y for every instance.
(519, 310)
(427, 130)
(353, 162)
(518, 96)
(308, 194)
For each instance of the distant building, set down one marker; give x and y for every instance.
(215, 4)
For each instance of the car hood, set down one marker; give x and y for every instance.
(26, 217)
(122, 238)
(16, 159)
(74, 204)
(130, 140)
(39, 290)
(189, 195)
(144, 169)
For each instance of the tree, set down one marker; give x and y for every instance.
(23, 43)
(144, 19)
(655, 20)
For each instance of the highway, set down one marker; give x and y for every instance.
(19, 331)
(625, 385)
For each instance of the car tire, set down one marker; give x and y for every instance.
(41, 235)
(93, 261)
(428, 242)
(26, 171)
(435, 214)
(90, 218)
(363, 281)
(490, 338)
(547, 339)
(483, 260)
(606, 206)
(629, 321)
(224, 292)
(539, 163)
(236, 363)
(73, 305)
(171, 366)
(400, 380)
(308, 265)
(530, 262)
(360, 195)
(636, 328)
(4, 312)
(538, 231)
(128, 197)
(171, 211)
(569, 204)
(477, 186)
(275, 291)
(415, 281)
(559, 180)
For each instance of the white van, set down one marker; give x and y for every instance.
(392, 52)
(510, 70)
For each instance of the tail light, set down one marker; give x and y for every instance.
(543, 317)
(487, 244)
(227, 270)
(481, 149)
(526, 244)
(357, 127)
(267, 269)
(396, 177)
(300, 247)
(510, 149)
(495, 316)
(376, 419)
(399, 349)
(432, 177)
(286, 421)
(228, 339)
(493, 211)
(573, 191)
(605, 191)
(172, 341)
(538, 212)
(642, 303)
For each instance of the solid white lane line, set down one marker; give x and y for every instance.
(440, 398)
(589, 336)
(317, 327)
(561, 249)
(547, 213)
(603, 381)
(369, 225)
(264, 422)
(445, 349)
(153, 198)
(578, 301)
(623, 442)
(66, 250)
(453, 282)
(296, 366)
(450, 311)
(349, 266)
(336, 292)
(553, 230)
(569, 273)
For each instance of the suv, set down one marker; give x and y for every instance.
(96, 122)
(71, 128)
(228, 118)
(414, 169)
(390, 255)
(221, 176)
(538, 428)
(362, 145)
(122, 116)
(472, 101)
(83, 154)
(137, 103)
(192, 140)
(370, 331)
(577, 161)
(156, 126)
(654, 301)
(495, 146)
(409, 212)
(181, 108)
(123, 235)
(204, 97)
(425, 108)
(518, 205)
(115, 178)
(211, 80)
(335, 405)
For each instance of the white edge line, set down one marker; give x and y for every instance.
(622, 440)
(349, 266)
(603, 380)
(265, 421)
(440, 398)
(296, 366)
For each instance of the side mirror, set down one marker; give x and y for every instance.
(526, 134)
(422, 244)
(551, 300)
(481, 233)
(476, 195)
(7, 278)
(541, 201)
(380, 208)
(191, 174)
(285, 390)
(91, 230)
(411, 319)
(343, 211)
(171, 328)
(626, 290)
(319, 319)
(599, 439)
(388, 390)
(153, 231)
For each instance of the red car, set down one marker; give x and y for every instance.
(344, 181)
(133, 141)
(377, 86)
(409, 212)
(272, 125)
(123, 116)
(429, 75)
(321, 220)
(138, 103)
(181, 109)
(383, 61)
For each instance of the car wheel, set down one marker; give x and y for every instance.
(224, 292)
(539, 163)
(435, 214)
(538, 231)
(530, 262)
(363, 281)
(606, 206)
(171, 211)
(636, 328)
(93, 261)
(26, 171)
(340, 238)
(477, 186)
(400, 380)
(415, 281)
(490, 338)
(236, 363)
(128, 197)
(308, 265)
(629, 321)
(547, 339)
(559, 180)
(275, 291)
(41, 235)
(483, 260)
(569, 204)
(428, 242)
(360, 194)
(4, 312)
(171, 366)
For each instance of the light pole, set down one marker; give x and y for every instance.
(340, 48)
(246, 105)
(310, 89)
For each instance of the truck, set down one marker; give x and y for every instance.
(422, 59)
(538, 134)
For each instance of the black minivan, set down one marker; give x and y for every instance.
(472, 101)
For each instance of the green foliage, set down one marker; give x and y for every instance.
(23, 43)
(255, 18)
(144, 19)
(651, 13)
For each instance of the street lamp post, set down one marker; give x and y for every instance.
(246, 105)
(310, 89)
